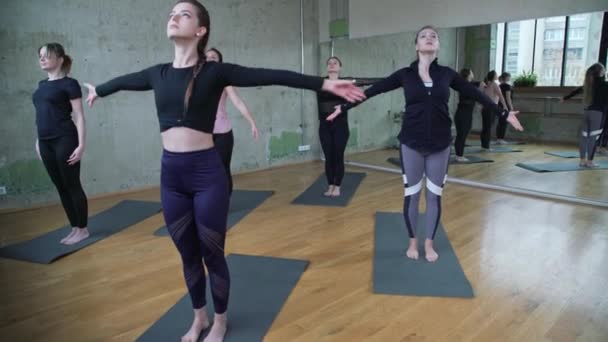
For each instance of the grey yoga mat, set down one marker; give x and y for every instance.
(564, 166)
(395, 274)
(314, 194)
(259, 287)
(46, 248)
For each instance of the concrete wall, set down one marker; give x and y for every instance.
(372, 18)
(109, 38)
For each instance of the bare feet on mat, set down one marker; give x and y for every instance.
(79, 235)
(462, 159)
(69, 236)
(412, 250)
(583, 163)
(329, 191)
(218, 330)
(336, 192)
(429, 251)
(200, 323)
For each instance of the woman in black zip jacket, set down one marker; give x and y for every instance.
(426, 132)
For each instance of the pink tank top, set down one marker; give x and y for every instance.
(222, 124)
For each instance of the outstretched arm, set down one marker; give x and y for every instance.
(385, 85)
(139, 81)
(363, 81)
(462, 86)
(235, 75)
(572, 94)
(242, 108)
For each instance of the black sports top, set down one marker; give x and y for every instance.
(169, 85)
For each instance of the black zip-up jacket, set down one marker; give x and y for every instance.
(427, 125)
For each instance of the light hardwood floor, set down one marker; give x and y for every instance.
(538, 267)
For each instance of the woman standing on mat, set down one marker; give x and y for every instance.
(61, 135)
(492, 90)
(595, 100)
(507, 93)
(334, 134)
(426, 131)
(463, 119)
(223, 139)
(194, 185)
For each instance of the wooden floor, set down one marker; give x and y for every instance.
(592, 184)
(538, 268)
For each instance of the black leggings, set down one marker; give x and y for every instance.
(224, 144)
(55, 154)
(501, 127)
(603, 140)
(463, 119)
(334, 137)
(487, 119)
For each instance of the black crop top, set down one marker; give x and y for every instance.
(169, 85)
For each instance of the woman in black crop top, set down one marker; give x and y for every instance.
(426, 131)
(595, 99)
(334, 134)
(61, 135)
(194, 186)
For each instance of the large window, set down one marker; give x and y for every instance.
(538, 45)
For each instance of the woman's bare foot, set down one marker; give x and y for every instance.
(79, 235)
(329, 191)
(429, 251)
(462, 159)
(583, 163)
(591, 164)
(69, 236)
(218, 330)
(336, 192)
(412, 250)
(200, 323)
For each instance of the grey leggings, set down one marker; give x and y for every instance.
(414, 166)
(591, 131)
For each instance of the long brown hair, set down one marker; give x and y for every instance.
(204, 20)
(592, 73)
(58, 50)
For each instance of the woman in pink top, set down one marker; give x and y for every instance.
(222, 131)
(492, 90)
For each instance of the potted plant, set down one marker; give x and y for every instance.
(526, 79)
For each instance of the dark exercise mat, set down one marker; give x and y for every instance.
(557, 167)
(493, 143)
(259, 287)
(569, 154)
(46, 248)
(564, 154)
(396, 274)
(314, 194)
(242, 202)
(495, 149)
